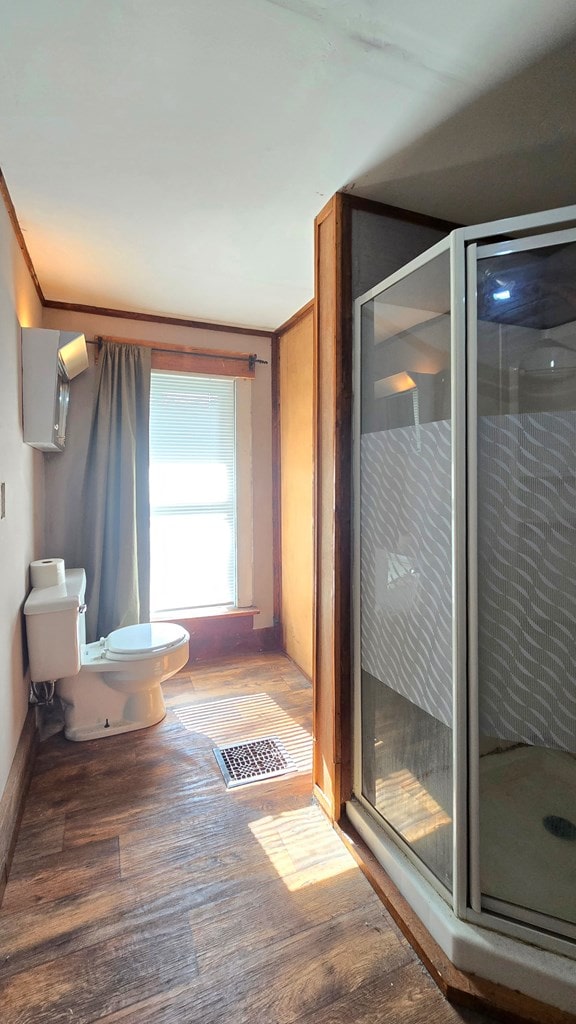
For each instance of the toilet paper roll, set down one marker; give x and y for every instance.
(47, 572)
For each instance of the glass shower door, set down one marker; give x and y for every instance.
(526, 589)
(404, 560)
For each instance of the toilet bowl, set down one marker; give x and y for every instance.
(107, 687)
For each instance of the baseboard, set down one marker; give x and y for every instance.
(12, 801)
(219, 636)
(324, 804)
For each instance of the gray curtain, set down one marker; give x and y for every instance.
(115, 502)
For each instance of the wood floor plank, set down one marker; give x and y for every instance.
(37, 839)
(100, 979)
(73, 923)
(283, 982)
(34, 883)
(252, 716)
(403, 996)
(233, 850)
(239, 675)
(278, 915)
(145, 892)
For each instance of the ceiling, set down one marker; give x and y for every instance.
(170, 157)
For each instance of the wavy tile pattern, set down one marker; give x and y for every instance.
(406, 563)
(527, 577)
(526, 568)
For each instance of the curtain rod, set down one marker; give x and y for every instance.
(251, 357)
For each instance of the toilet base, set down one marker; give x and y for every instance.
(93, 710)
(78, 734)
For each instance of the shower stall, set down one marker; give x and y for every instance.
(465, 595)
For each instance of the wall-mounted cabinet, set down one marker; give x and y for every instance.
(50, 360)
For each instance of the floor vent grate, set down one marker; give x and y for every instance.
(253, 760)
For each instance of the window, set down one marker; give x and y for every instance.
(198, 431)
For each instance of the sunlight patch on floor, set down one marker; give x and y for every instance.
(249, 717)
(302, 847)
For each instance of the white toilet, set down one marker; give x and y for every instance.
(106, 687)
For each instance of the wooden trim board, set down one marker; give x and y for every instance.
(12, 801)
(333, 382)
(343, 505)
(155, 318)
(334, 264)
(326, 768)
(173, 356)
(19, 236)
(293, 462)
(354, 202)
(217, 636)
(295, 318)
(276, 481)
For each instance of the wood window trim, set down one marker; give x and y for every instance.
(214, 612)
(184, 359)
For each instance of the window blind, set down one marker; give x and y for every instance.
(192, 491)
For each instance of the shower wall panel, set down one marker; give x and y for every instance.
(406, 563)
(527, 577)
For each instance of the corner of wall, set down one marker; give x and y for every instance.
(22, 472)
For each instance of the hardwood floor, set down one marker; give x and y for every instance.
(144, 892)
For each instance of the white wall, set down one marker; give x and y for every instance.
(64, 470)
(22, 471)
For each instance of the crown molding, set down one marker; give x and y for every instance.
(153, 318)
(19, 235)
(295, 318)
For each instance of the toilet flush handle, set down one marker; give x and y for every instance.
(82, 609)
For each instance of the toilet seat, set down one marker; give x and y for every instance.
(144, 640)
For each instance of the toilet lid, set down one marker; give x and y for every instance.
(145, 638)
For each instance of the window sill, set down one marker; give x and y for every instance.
(213, 612)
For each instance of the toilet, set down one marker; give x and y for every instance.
(107, 687)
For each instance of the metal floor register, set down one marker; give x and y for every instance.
(253, 760)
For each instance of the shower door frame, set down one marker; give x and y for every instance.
(465, 900)
(453, 244)
(482, 907)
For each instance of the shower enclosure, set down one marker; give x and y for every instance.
(465, 593)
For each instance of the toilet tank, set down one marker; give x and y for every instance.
(55, 627)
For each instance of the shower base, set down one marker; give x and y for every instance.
(540, 973)
(527, 849)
